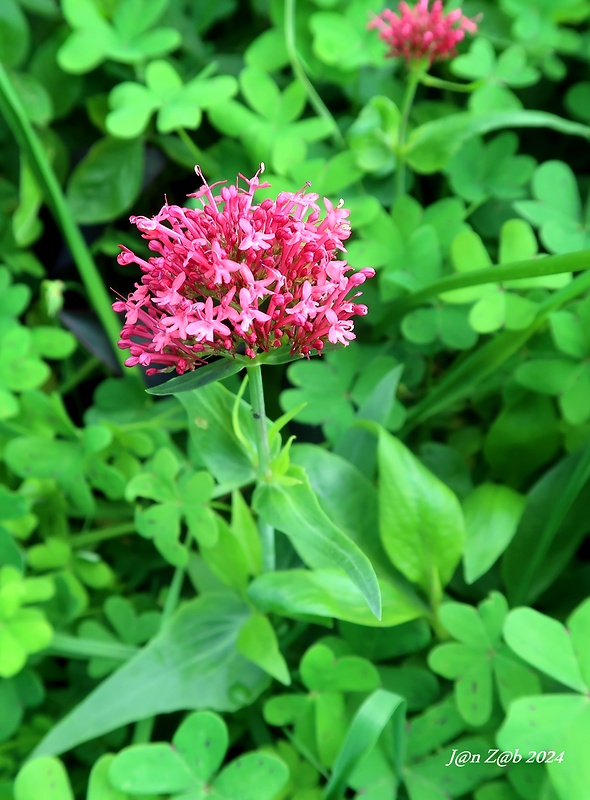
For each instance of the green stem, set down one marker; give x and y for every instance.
(460, 381)
(205, 162)
(315, 100)
(173, 595)
(30, 145)
(63, 644)
(143, 730)
(451, 86)
(267, 534)
(90, 538)
(517, 270)
(407, 102)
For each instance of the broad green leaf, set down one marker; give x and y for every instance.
(357, 445)
(328, 593)
(420, 519)
(209, 410)
(492, 513)
(193, 663)
(544, 643)
(107, 181)
(294, 509)
(257, 641)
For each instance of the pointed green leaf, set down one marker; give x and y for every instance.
(295, 510)
(192, 663)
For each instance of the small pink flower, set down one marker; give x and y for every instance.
(234, 276)
(420, 32)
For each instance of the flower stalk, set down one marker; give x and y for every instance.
(267, 534)
(406, 109)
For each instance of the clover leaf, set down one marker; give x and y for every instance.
(482, 170)
(541, 29)
(497, 73)
(564, 226)
(319, 717)
(178, 105)
(478, 660)
(333, 388)
(341, 39)
(556, 721)
(189, 766)
(497, 306)
(131, 35)
(565, 379)
(271, 124)
(125, 625)
(178, 495)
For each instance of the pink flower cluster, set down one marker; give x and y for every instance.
(420, 32)
(237, 277)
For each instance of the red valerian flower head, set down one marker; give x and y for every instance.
(420, 32)
(235, 277)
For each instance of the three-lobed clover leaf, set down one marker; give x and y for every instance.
(319, 717)
(497, 306)
(335, 387)
(178, 495)
(125, 625)
(483, 170)
(541, 28)
(497, 73)
(130, 35)
(270, 129)
(341, 40)
(567, 377)
(178, 105)
(479, 659)
(559, 721)
(189, 766)
(564, 225)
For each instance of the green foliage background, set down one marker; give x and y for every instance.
(441, 468)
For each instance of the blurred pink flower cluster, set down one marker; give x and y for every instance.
(237, 277)
(420, 32)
